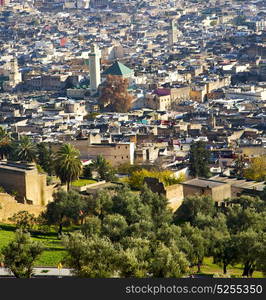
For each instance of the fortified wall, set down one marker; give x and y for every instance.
(9, 206)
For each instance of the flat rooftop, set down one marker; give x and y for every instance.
(17, 167)
(241, 183)
(204, 183)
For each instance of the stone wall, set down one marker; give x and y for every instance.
(115, 154)
(190, 190)
(222, 192)
(36, 188)
(29, 185)
(252, 150)
(175, 196)
(173, 193)
(87, 186)
(13, 181)
(82, 146)
(9, 206)
(180, 94)
(218, 193)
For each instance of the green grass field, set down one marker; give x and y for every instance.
(54, 252)
(208, 267)
(82, 182)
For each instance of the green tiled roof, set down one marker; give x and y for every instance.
(4, 78)
(118, 69)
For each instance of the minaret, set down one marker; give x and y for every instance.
(172, 33)
(94, 65)
(14, 74)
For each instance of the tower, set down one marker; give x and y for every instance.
(14, 74)
(94, 65)
(172, 33)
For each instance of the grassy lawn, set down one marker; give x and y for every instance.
(82, 182)
(208, 267)
(54, 250)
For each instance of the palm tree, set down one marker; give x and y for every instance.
(68, 166)
(5, 143)
(45, 158)
(25, 150)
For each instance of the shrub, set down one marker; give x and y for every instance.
(23, 220)
(136, 180)
(87, 171)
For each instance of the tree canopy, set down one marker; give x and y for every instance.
(20, 254)
(115, 95)
(199, 157)
(136, 180)
(257, 169)
(25, 149)
(67, 207)
(68, 166)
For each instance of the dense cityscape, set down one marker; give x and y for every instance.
(132, 138)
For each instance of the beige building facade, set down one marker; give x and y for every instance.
(115, 153)
(156, 102)
(26, 182)
(219, 191)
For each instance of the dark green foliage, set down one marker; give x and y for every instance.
(25, 150)
(24, 220)
(249, 245)
(45, 158)
(168, 262)
(142, 229)
(5, 143)
(87, 171)
(135, 257)
(194, 245)
(128, 204)
(158, 204)
(138, 228)
(261, 261)
(67, 207)
(20, 254)
(67, 163)
(114, 226)
(104, 169)
(102, 204)
(92, 226)
(193, 205)
(199, 157)
(225, 252)
(241, 220)
(245, 202)
(168, 233)
(136, 235)
(94, 258)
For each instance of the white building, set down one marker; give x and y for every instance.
(255, 93)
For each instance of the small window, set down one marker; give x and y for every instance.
(127, 156)
(122, 157)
